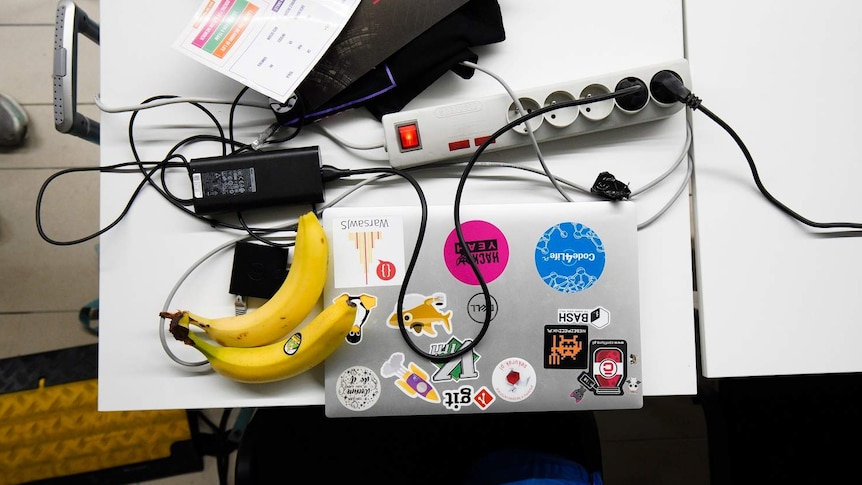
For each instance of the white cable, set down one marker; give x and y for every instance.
(222, 247)
(529, 128)
(673, 199)
(345, 143)
(167, 101)
(683, 154)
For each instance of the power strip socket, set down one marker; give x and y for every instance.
(433, 134)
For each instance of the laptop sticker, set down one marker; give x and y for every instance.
(358, 388)
(423, 314)
(633, 384)
(455, 369)
(368, 251)
(598, 317)
(566, 346)
(412, 380)
(607, 368)
(483, 398)
(455, 399)
(354, 336)
(486, 243)
(514, 379)
(570, 257)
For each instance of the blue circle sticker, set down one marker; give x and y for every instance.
(570, 257)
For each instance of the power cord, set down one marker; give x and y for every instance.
(668, 87)
(527, 126)
(457, 209)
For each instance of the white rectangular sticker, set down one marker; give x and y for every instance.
(368, 251)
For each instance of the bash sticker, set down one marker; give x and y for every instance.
(514, 379)
(570, 257)
(358, 388)
(368, 251)
(486, 243)
(422, 314)
(598, 317)
(566, 347)
(412, 380)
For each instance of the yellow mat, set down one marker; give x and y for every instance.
(56, 431)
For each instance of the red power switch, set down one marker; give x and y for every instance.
(408, 137)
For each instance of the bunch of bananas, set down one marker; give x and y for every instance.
(255, 346)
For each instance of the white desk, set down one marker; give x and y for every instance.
(777, 297)
(547, 42)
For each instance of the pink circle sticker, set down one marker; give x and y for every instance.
(488, 246)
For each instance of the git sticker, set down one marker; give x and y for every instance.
(570, 257)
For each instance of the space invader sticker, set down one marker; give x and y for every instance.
(566, 347)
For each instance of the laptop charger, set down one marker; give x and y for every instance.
(255, 180)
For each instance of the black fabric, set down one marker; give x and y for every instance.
(433, 449)
(408, 72)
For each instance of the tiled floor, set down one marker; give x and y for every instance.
(43, 285)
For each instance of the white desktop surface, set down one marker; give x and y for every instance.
(143, 257)
(777, 297)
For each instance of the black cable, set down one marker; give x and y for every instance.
(231, 116)
(166, 190)
(300, 123)
(777, 203)
(254, 233)
(674, 87)
(161, 187)
(220, 138)
(459, 192)
(106, 169)
(332, 173)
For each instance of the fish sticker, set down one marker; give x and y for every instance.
(422, 314)
(412, 380)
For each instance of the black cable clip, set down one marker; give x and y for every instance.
(284, 112)
(609, 187)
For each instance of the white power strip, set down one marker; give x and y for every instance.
(428, 135)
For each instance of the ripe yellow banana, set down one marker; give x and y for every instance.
(308, 347)
(289, 306)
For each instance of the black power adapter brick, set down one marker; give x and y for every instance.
(258, 270)
(255, 180)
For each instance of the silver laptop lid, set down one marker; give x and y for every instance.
(564, 331)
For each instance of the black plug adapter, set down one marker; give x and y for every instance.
(667, 87)
(255, 180)
(258, 270)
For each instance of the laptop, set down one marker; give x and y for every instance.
(562, 328)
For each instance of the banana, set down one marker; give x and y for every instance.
(308, 347)
(289, 306)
